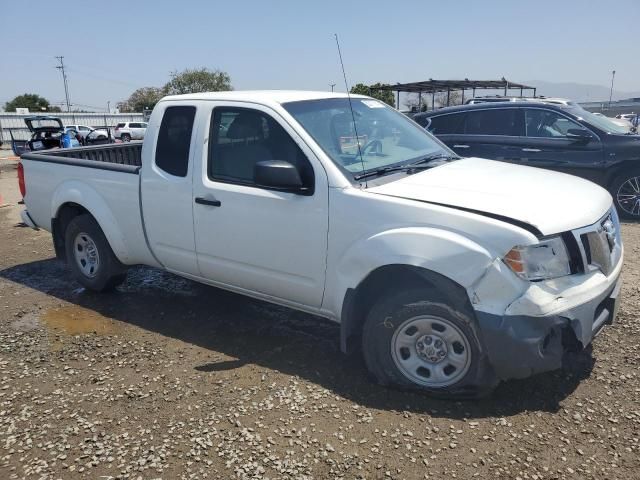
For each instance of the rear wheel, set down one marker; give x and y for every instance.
(90, 257)
(625, 190)
(126, 137)
(413, 342)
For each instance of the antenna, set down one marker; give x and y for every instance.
(353, 116)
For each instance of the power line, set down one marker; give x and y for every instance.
(64, 79)
(100, 77)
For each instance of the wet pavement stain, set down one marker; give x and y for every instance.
(74, 320)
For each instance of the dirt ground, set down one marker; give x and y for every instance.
(166, 378)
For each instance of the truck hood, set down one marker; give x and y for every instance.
(550, 202)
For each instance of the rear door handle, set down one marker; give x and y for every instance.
(531, 150)
(212, 202)
(461, 146)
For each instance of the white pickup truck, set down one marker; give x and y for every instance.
(451, 274)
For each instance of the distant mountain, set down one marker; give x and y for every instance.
(577, 91)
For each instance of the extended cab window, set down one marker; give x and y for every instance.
(495, 121)
(547, 124)
(242, 137)
(446, 124)
(174, 139)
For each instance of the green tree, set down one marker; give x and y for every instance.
(145, 97)
(198, 80)
(385, 96)
(35, 103)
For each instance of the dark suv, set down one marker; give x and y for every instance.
(563, 138)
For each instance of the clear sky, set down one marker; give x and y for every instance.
(112, 47)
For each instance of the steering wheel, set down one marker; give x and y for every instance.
(371, 144)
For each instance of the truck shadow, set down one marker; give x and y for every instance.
(277, 338)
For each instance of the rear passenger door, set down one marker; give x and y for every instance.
(251, 237)
(136, 131)
(494, 133)
(449, 128)
(166, 189)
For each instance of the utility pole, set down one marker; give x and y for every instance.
(64, 79)
(108, 106)
(613, 75)
(332, 85)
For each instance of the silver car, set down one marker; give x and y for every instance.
(128, 131)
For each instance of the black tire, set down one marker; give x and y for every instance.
(125, 137)
(389, 315)
(625, 184)
(108, 272)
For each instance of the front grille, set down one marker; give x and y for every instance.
(600, 244)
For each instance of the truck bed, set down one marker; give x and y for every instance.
(104, 179)
(122, 157)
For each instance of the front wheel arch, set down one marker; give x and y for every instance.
(625, 190)
(385, 280)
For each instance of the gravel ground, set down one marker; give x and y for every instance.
(170, 379)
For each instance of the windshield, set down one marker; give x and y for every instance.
(599, 121)
(385, 136)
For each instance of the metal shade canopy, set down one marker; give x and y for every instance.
(432, 86)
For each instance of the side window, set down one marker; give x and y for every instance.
(82, 128)
(120, 125)
(495, 121)
(241, 137)
(143, 125)
(547, 123)
(174, 139)
(134, 125)
(446, 124)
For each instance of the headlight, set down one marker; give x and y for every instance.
(547, 259)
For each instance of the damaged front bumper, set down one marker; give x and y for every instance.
(534, 331)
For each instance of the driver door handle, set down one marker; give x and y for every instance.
(531, 150)
(461, 146)
(212, 202)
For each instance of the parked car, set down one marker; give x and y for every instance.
(626, 116)
(128, 131)
(564, 138)
(89, 132)
(46, 133)
(452, 274)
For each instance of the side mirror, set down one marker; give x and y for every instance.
(278, 175)
(579, 134)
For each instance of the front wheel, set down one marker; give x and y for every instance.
(125, 137)
(625, 190)
(90, 257)
(410, 341)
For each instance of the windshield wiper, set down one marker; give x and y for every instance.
(420, 164)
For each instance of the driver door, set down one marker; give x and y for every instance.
(251, 237)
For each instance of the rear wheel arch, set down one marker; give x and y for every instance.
(69, 210)
(386, 280)
(66, 212)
